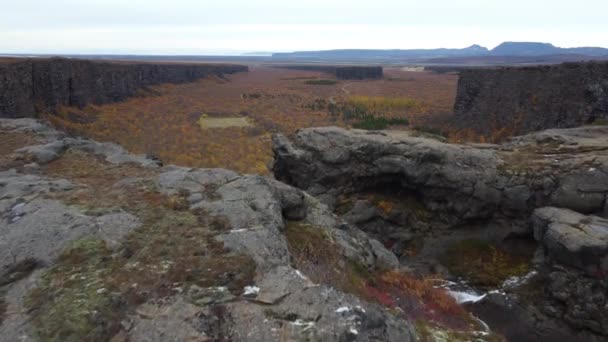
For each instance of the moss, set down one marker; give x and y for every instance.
(482, 263)
(319, 257)
(72, 300)
(431, 332)
(92, 288)
(18, 271)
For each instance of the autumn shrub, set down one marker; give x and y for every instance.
(371, 122)
(321, 82)
(383, 103)
(483, 264)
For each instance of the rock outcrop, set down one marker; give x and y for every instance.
(575, 247)
(34, 86)
(542, 186)
(526, 99)
(79, 227)
(565, 168)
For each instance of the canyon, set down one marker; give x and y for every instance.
(357, 235)
(31, 87)
(526, 99)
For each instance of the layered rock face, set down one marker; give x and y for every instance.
(34, 86)
(526, 99)
(565, 168)
(543, 186)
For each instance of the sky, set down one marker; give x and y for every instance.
(237, 26)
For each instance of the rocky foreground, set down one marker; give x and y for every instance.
(99, 244)
(420, 195)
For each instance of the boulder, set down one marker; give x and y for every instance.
(572, 238)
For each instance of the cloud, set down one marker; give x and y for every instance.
(186, 26)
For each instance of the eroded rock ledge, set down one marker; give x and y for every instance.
(565, 168)
(550, 186)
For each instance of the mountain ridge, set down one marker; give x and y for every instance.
(509, 48)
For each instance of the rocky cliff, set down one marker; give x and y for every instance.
(418, 195)
(527, 99)
(34, 86)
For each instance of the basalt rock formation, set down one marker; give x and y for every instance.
(343, 72)
(34, 86)
(359, 73)
(549, 186)
(527, 99)
(97, 243)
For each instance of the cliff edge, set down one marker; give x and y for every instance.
(33, 86)
(523, 100)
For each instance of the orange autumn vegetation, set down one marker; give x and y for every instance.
(163, 120)
(418, 299)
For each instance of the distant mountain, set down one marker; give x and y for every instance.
(543, 49)
(520, 49)
(473, 50)
(524, 49)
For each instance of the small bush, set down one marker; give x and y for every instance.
(371, 122)
(482, 263)
(321, 82)
(383, 103)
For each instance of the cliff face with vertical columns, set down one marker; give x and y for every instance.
(526, 99)
(30, 87)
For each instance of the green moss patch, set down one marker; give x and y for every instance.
(92, 288)
(482, 263)
(431, 332)
(73, 301)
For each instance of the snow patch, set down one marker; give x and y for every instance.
(251, 290)
(343, 309)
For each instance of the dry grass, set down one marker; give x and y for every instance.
(9, 142)
(165, 121)
(209, 122)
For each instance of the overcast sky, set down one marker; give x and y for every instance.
(235, 26)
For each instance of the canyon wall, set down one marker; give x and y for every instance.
(526, 99)
(30, 87)
(342, 72)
